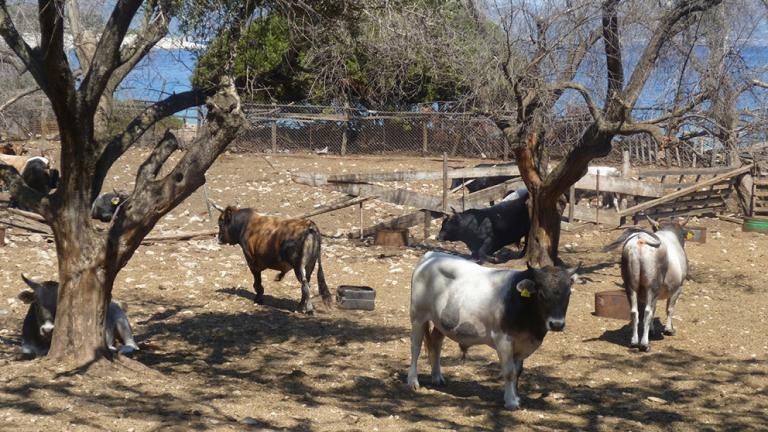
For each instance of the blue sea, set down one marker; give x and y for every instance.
(164, 72)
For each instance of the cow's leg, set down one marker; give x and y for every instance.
(669, 328)
(257, 286)
(648, 312)
(634, 314)
(305, 305)
(280, 276)
(418, 330)
(508, 373)
(518, 373)
(434, 346)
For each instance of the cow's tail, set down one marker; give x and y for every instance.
(628, 234)
(313, 234)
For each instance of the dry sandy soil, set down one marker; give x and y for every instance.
(210, 359)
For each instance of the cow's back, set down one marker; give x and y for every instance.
(266, 237)
(677, 269)
(642, 262)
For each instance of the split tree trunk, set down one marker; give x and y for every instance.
(544, 236)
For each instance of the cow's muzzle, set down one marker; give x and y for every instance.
(555, 324)
(46, 329)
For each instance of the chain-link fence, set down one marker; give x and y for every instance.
(339, 130)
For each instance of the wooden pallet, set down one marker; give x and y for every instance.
(759, 204)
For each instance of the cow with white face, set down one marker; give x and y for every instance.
(508, 310)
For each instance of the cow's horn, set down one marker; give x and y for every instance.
(216, 206)
(685, 222)
(654, 224)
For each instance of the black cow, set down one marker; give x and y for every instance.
(104, 205)
(37, 330)
(487, 230)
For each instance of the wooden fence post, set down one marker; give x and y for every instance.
(572, 200)
(424, 138)
(427, 222)
(361, 221)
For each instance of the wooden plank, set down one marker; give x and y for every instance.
(685, 191)
(481, 198)
(346, 202)
(620, 185)
(683, 171)
(726, 184)
(584, 213)
(395, 196)
(709, 202)
(691, 212)
(313, 179)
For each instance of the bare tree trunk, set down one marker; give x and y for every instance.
(544, 236)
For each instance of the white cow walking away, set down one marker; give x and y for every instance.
(508, 310)
(653, 267)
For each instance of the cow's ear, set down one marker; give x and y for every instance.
(654, 223)
(27, 297)
(454, 211)
(526, 287)
(573, 272)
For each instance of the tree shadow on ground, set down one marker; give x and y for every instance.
(269, 300)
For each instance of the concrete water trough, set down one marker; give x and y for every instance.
(355, 297)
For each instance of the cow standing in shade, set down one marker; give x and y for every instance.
(272, 243)
(37, 330)
(653, 267)
(508, 310)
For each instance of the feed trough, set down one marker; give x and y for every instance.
(696, 234)
(752, 224)
(612, 304)
(391, 237)
(355, 297)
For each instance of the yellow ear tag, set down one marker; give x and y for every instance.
(115, 201)
(525, 293)
(689, 235)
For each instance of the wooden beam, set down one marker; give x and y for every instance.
(405, 221)
(395, 196)
(314, 179)
(683, 171)
(346, 202)
(685, 191)
(620, 185)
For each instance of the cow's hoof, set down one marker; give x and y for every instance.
(413, 384)
(644, 348)
(438, 380)
(258, 300)
(328, 302)
(512, 405)
(669, 332)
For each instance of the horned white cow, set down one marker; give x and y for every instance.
(653, 267)
(508, 310)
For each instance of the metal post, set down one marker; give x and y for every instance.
(599, 201)
(572, 200)
(445, 182)
(345, 130)
(361, 221)
(424, 137)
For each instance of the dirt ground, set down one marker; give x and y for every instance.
(211, 359)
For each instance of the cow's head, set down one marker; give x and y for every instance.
(226, 228)
(452, 227)
(551, 287)
(677, 228)
(43, 299)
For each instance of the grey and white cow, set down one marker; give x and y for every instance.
(37, 330)
(653, 267)
(508, 310)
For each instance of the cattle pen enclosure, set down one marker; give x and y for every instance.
(212, 360)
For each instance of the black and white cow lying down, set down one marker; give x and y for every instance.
(508, 310)
(653, 267)
(37, 330)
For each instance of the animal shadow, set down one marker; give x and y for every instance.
(623, 335)
(270, 301)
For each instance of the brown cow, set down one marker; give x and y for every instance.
(280, 244)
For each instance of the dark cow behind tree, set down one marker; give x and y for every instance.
(508, 310)
(36, 171)
(105, 205)
(280, 244)
(653, 267)
(486, 231)
(38, 327)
